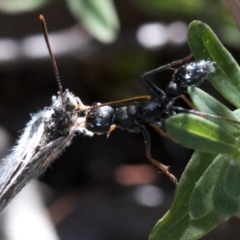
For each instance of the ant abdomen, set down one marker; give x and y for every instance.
(193, 73)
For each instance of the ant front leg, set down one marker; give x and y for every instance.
(163, 168)
(158, 91)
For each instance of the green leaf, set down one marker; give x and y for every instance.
(200, 134)
(237, 113)
(232, 179)
(99, 17)
(197, 165)
(225, 205)
(17, 6)
(201, 202)
(207, 104)
(198, 228)
(204, 44)
(205, 196)
(176, 224)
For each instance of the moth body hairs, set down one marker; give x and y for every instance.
(43, 139)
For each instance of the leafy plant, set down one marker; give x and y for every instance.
(98, 17)
(209, 189)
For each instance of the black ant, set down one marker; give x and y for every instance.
(137, 112)
(104, 118)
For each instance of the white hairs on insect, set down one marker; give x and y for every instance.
(43, 139)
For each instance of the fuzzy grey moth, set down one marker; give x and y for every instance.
(43, 139)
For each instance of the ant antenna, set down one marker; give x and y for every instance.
(127, 100)
(54, 63)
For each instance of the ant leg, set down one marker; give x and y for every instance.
(157, 90)
(159, 165)
(112, 128)
(188, 102)
(167, 66)
(127, 100)
(159, 130)
(205, 115)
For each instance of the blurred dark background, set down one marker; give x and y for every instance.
(103, 188)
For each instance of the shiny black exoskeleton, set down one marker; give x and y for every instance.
(136, 115)
(193, 73)
(133, 116)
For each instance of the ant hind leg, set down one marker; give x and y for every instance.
(159, 165)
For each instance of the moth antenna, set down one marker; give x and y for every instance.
(54, 63)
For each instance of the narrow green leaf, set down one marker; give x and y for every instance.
(18, 6)
(237, 113)
(204, 44)
(207, 104)
(198, 228)
(201, 202)
(176, 224)
(99, 17)
(225, 205)
(232, 178)
(200, 134)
